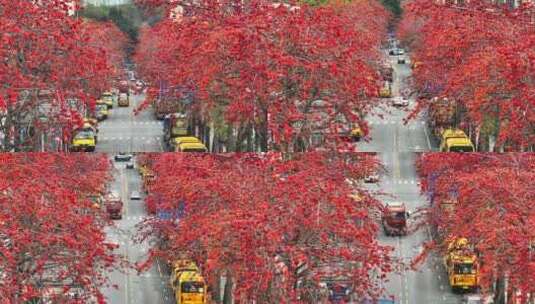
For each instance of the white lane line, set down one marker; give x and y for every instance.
(428, 140)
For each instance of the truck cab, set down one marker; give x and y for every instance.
(189, 286)
(85, 139)
(394, 219)
(455, 140)
(461, 264)
(114, 207)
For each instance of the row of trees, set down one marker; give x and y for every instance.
(485, 56)
(487, 198)
(256, 67)
(53, 67)
(51, 236)
(260, 221)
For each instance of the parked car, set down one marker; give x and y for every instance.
(372, 178)
(477, 299)
(396, 52)
(400, 101)
(135, 195)
(130, 165)
(123, 157)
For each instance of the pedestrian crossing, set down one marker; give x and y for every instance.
(130, 123)
(395, 122)
(398, 182)
(125, 138)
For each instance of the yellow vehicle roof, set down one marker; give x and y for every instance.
(107, 94)
(185, 264)
(191, 276)
(100, 101)
(453, 133)
(187, 146)
(457, 141)
(186, 139)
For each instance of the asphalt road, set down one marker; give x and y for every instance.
(125, 132)
(398, 145)
(133, 287)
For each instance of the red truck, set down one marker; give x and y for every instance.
(124, 87)
(395, 219)
(114, 208)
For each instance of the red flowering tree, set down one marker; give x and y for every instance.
(487, 198)
(485, 56)
(46, 224)
(48, 58)
(241, 214)
(256, 68)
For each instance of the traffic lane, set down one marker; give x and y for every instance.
(407, 163)
(125, 132)
(426, 283)
(390, 133)
(150, 286)
(118, 234)
(381, 136)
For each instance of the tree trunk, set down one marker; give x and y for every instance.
(227, 295)
(499, 295)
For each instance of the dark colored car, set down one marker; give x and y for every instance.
(123, 157)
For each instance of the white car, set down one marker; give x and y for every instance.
(400, 101)
(135, 195)
(372, 178)
(477, 299)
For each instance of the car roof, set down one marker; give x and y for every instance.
(192, 145)
(186, 139)
(395, 205)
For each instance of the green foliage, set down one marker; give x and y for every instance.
(393, 6)
(127, 17)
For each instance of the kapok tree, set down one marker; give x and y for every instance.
(46, 225)
(487, 72)
(266, 88)
(48, 58)
(243, 215)
(486, 198)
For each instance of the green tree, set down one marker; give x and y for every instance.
(393, 6)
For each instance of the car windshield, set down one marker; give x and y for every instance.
(464, 268)
(101, 107)
(399, 215)
(192, 287)
(84, 135)
(194, 150)
(461, 149)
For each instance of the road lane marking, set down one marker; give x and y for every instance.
(428, 140)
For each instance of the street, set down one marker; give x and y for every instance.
(133, 287)
(125, 132)
(397, 146)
